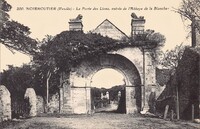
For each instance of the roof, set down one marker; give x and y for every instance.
(99, 29)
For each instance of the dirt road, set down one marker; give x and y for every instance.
(100, 121)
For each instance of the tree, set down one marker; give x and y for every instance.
(17, 80)
(13, 34)
(189, 10)
(44, 64)
(150, 39)
(171, 58)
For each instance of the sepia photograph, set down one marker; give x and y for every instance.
(95, 64)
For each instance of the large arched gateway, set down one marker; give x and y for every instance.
(84, 73)
(135, 63)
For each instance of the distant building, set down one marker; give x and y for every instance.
(106, 96)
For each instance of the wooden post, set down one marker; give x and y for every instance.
(166, 111)
(172, 115)
(177, 104)
(192, 112)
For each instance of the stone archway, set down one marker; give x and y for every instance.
(76, 96)
(82, 75)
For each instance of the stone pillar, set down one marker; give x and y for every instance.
(149, 80)
(119, 96)
(107, 95)
(130, 100)
(88, 100)
(67, 99)
(61, 100)
(5, 104)
(30, 94)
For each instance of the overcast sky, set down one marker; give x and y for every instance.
(52, 22)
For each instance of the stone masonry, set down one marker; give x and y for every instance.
(31, 95)
(134, 63)
(5, 104)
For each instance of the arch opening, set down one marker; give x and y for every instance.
(91, 70)
(107, 78)
(108, 90)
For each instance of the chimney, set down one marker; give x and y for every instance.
(137, 24)
(76, 24)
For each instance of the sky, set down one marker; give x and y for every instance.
(107, 78)
(52, 22)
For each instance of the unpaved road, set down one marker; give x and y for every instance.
(100, 121)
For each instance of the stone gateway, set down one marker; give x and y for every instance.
(135, 64)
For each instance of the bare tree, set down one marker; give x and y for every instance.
(190, 10)
(171, 58)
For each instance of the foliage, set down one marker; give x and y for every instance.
(113, 92)
(69, 48)
(13, 34)
(172, 57)
(150, 39)
(96, 95)
(17, 80)
(189, 9)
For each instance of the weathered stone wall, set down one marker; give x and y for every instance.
(31, 95)
(81, 102)
(131, 101)
(66, 99)
(128, 61)
(40, 105)
(54, 104)
(78, 102)
(83, 74)
(5, 104)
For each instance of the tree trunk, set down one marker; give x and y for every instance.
(177, 104)
(47, 85)
(193, 29)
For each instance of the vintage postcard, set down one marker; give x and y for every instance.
(95, 64)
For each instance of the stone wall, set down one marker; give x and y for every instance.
(31, 96)
(5, 104)
(131, 106)
(130, 61)
(54, 104)
(40, 105)
(81, 102)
